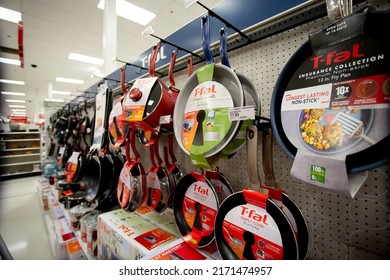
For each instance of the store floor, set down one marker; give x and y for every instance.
(22, 224)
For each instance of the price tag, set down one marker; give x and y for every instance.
(242, 113)
(165, 119)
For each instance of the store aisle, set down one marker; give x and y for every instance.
(22, 225)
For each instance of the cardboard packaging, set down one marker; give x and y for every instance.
(126, 236)
(64, 235)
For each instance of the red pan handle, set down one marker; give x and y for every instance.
(189, 66)
(152, 61)
(171, 68)
(123, 78)
(132, 141)
(127, 146)
(170, 145)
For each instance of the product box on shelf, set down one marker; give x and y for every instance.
(56, 210)
(177, 250)
(64, 235)
(164, 220)
(126, 236)
(44, 195)
(75, 251)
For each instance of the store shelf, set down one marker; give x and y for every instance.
(23, 155)
(20, 149)
(21, 140)
(19, 133)
(34, 172)
(20, 163)
(16, 161)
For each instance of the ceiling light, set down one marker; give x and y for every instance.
(70, 81)
(61, 92)
(13, 82)
(10, 15)
(85, 58)
(131, 12)
(18, 114)
(15, 101)
(54, 100)
(17, 106)
(9, 61)
(13, 93)
(18, 110)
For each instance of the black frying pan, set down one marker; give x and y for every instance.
(195, 206)
(366, 159)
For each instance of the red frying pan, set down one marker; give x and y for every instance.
(249, 224)
(131, 191)
(159, 182)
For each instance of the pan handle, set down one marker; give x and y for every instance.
(252, 159)
(189, 66)
(151, 149)
(156, 150)
(152, 61)
(170, 146)
(123, 78)
(132, 142)
(267, 153)
(205, 27)
(223, 47)
(171, 68)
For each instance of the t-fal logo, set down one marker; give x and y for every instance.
(205, 90)
(201, 190)
(251, 214)
(337, 57)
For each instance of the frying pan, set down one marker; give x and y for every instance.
(363, 160)
(190, 122)
(250, 96)
(160, 102)
(287, 205)
(249, 224)
(116, 127)
(100, 169)
(159, 181)
(131, 188)
(195, 208)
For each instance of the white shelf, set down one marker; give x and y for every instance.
(20, 163)
(19, 149)
(20, 133)
(21, 140)
(21, 173)
(21, 155)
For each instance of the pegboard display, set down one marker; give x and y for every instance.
(339, 227)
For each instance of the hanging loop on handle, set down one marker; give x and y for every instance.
(205, 27)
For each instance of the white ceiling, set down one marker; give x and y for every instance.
(54, 28)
